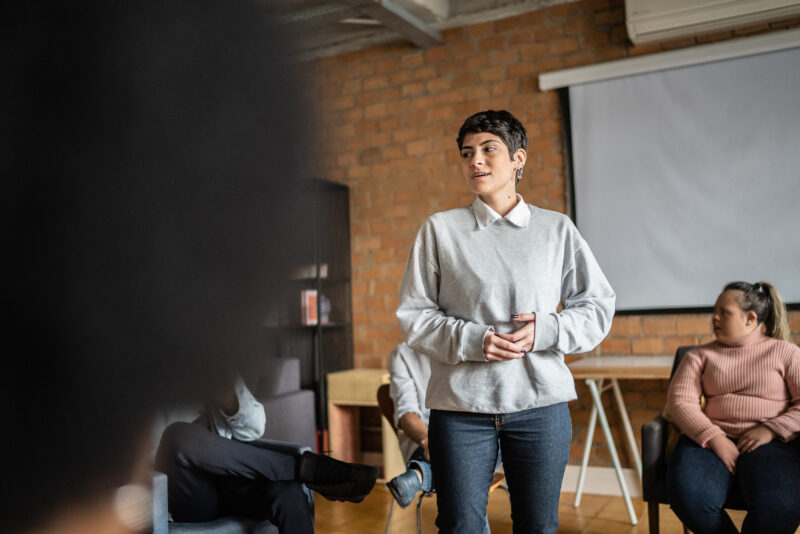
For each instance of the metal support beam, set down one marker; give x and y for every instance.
(322, 15)
(399, 20)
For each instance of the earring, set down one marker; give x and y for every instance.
(520, 172)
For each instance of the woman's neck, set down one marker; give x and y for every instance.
(502, 202)
(751, 338)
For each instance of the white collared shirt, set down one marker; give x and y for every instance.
(519, 215)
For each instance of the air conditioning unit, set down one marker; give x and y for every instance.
(661, 20)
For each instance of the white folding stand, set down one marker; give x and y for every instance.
(595, 370)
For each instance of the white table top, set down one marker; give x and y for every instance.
(643, 367)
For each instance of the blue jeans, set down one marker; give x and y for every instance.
(767, 479)
(464, 448)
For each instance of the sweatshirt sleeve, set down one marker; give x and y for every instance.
(402, 388)
(683, 401)
(588, 301)
(787, 424)
(425, 327)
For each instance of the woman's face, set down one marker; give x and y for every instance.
(487, 166)
(729, 320)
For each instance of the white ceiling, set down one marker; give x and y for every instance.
(329, 27)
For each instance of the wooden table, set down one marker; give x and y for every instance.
(348, 391)
(595, 370)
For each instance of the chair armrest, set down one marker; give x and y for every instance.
(160, 504)
(654, 465)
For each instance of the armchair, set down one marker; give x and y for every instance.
(224, 525)
(654, 464)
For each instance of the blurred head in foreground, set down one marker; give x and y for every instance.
(148, 160)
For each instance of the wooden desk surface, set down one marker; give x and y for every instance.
(622, 367)
(356, 387)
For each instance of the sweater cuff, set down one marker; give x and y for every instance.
(706, 436)
(780, 431)
(472, 349)
(546, 334)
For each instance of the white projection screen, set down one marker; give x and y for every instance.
(689, 178)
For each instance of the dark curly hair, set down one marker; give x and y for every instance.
(500, 123)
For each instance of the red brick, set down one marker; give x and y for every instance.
(509, 24)
(794, 321)
(495, 42)
(424, 102)
(479, 30)
(505, 57)
(492, 74)
(437, 53)
(548, 33)
(425, 73)
(438, 84)
(644, 49)
(563, 46)
(507, 87)
(476, 62)
(463, 49)
(693, 324)
(409, 61)
(520, 38)
(659, 326)
(351, 86)
(648, 345)
(376, 82)
(626, 326)
(616, 345)
(413, 89)
(612, 16)
(453, 34)
(578, 59)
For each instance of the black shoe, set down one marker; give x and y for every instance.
(336, 480)
(405, 487)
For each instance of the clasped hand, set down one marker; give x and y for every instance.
(503, 347)
(729, 452)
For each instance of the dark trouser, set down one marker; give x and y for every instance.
(210, 476)
(768, 480)
(464, 449)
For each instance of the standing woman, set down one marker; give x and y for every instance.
(479, 296)
(746, 435)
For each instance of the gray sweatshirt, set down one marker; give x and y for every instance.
(409, 372)
(469, 270)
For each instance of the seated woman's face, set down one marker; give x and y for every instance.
(729, 320)
(486, 164)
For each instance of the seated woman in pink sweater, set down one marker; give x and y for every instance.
(745, 435)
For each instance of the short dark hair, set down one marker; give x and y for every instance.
(500, 123)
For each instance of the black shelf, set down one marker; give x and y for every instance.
(321, 348)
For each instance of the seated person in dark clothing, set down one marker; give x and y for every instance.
(213, 472)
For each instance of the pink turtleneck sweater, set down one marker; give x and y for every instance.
(748, 381)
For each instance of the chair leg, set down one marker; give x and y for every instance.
(652, 517)
(389, 521)
(419, 513)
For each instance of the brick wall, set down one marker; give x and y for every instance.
(388, 121)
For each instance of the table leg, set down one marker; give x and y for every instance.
(626, 424)
(587, 451)
(611, 448)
